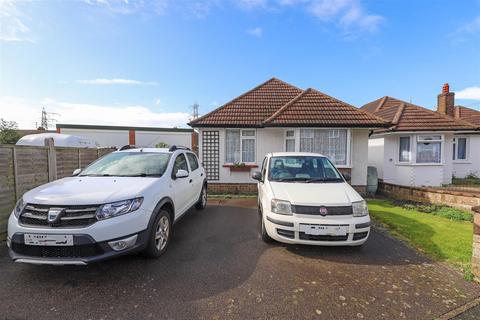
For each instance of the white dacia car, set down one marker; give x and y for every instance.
(126, 201)
(303, 198)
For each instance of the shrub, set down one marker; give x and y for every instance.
(435, 209)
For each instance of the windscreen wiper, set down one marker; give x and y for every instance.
(323, 180)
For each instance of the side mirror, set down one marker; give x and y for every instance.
(181, 174)
(257, 176)
(347, 176)
(76, 172)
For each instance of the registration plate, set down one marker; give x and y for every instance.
(48, 239)
(317, 230)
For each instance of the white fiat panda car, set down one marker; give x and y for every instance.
(304, 199)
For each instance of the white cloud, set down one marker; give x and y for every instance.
(13, 23)
(349, 14)
(256, 32)
(251, 4)
(470, 93)
(27, 112)
(466, 30)
(103, 81)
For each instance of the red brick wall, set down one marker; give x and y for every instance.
(251, 188)
(131, 137)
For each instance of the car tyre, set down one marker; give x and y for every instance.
(159, 236)
(263, 232)
(202, 201)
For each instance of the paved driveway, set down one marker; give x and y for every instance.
(217, 268)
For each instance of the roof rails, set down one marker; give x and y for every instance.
(174, 147)
(126, 147)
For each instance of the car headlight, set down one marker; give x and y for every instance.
(114, 209)
(19, 207)
(281, 207)
(360, 208)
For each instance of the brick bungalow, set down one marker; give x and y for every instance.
(277, 116)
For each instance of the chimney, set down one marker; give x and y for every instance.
(446, 101)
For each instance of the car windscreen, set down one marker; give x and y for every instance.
(302, 169)
(129, 164)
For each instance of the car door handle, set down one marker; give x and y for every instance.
(201, 174)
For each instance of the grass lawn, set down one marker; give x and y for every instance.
(438, 237)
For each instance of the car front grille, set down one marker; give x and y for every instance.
(304, 236)
(71, 216)
(77, 251)
(315, 210)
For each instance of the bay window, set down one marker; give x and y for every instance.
(429, 149)
(240, 146)
(331, 143)
(460, 148)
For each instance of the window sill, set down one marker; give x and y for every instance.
(462, 161)
(236, 168)
(419, 164)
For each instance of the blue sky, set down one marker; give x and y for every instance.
(130, 62)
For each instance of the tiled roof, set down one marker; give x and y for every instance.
(466, 114)
(276, 103)
(406, 116)
(251, 108)
(316, 109)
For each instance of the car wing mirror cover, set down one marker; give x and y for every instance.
(76, 172)
(257, 176)
(181, 174)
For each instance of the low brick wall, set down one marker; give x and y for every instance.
(458, 199)
(251, 188)
(233, 188)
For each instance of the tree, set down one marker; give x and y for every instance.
(8, 134)
(162, 145)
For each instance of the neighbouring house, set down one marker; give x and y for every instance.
(118, 136)
(277, 116)
(422, 147)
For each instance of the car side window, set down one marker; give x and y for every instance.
(192, 159)
(180, 164)
(264, 167)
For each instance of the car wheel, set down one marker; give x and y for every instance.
(202, 201)
(263, 232)
(159, 237)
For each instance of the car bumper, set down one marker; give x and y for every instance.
(286, 229)
(90, 244)
(84, 250)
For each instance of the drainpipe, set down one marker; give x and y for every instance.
(476, 244)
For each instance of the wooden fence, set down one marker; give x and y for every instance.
(23, 168)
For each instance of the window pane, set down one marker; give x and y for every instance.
(290, 145)
(462, 148)
(248, 150)
(192, 159)
(404, 153)
(290, 133)
(232, 146)
(429, 138)
(248, 133)
(429, 152)
(180, 164)
(330, 143)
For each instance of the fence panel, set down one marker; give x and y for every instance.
(31, 168)
(67, 161)
(87, 156)
(7, 186)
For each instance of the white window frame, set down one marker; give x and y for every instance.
(455, 148)
(349, 143)
(409, 151)
(242, 138)
(441, 140)
(294, 138)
